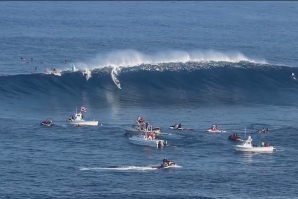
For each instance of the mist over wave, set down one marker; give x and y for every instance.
(131, 58)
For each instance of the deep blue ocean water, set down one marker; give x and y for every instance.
(198, 63)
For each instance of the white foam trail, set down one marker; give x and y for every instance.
(130, 58)
(126, 168)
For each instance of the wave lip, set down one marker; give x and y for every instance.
(131, 58)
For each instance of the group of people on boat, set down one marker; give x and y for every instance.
(234, 137)
(264, 144)
(140, 120)
(144, 126)
(72, 117)
(214, 128)
(150, 136)
(46, 122)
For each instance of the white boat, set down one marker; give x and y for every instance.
(214, 129)
(78, 120)
(247, 146)
(147, 141)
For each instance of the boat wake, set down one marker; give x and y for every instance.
(125, 168)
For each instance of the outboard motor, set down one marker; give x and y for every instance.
(159, 144)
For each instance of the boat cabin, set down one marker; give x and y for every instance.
(247, 143)
(78, 116)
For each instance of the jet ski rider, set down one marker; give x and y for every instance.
(176, 126)
(214, 127)
(179, 125)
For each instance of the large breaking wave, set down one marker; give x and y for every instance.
(173, 77)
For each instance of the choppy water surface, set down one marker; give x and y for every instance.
(198, 63)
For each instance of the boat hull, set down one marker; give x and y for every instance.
(133, 132)
(216, 131)
(254, 149)
(140, 140)
(44, 124)
(84, 123)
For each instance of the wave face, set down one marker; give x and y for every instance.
(200, 83)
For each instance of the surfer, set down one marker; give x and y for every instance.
(31, 59)
(35, 68)
(293, 75)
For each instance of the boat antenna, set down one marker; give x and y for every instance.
(76, 110)
(245, 131)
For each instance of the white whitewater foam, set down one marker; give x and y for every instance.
(131, 58)
(126, 168)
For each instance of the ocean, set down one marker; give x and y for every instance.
(195, 63)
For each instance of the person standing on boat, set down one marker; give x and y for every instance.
(263, 144)
(149, 136)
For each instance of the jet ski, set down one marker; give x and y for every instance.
(165, 164)
(47, 123)
(214, 129)
(179, 127)
(263, 130)
(235, 137)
